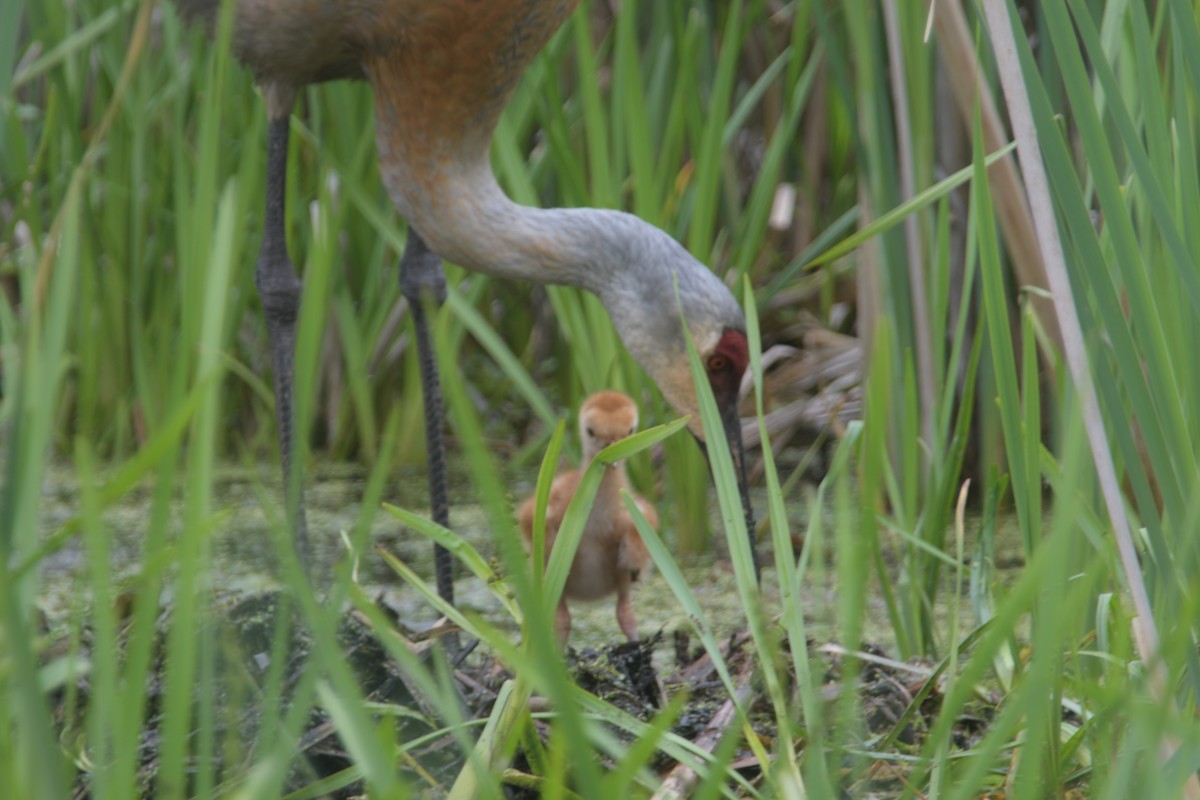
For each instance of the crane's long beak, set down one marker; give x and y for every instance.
(732, 422)
(733, 433)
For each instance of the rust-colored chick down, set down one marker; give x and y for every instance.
(611, 555)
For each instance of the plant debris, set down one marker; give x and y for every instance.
(897, 701)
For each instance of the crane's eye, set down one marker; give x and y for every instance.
(717, 363)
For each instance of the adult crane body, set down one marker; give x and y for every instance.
(441, 72)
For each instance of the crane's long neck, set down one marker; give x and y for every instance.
(632, 266)
(441, 181)
(435, 111)
(434, 124)
(440, 85)
(464, 216)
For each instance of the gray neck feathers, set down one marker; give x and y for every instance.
(632, 266)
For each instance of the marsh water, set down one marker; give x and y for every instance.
(244, 559)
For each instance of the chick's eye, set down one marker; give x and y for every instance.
(717, 363)
(591, 433)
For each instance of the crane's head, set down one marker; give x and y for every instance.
(725, 354)
(657, 291)
(653, 288)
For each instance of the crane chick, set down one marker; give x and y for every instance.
(611, 556)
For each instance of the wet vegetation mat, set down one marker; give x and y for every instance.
(264, 652)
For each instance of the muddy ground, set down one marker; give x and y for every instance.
(898, 702)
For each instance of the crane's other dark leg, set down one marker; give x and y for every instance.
(279, 289)
(423, 284)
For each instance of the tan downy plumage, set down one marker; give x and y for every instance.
(611, 555)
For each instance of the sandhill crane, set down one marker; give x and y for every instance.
(441, 73)
(611, 556)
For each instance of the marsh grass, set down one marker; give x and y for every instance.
(131, 346)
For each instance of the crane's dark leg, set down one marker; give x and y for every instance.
(279, 289)
(423, 284)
